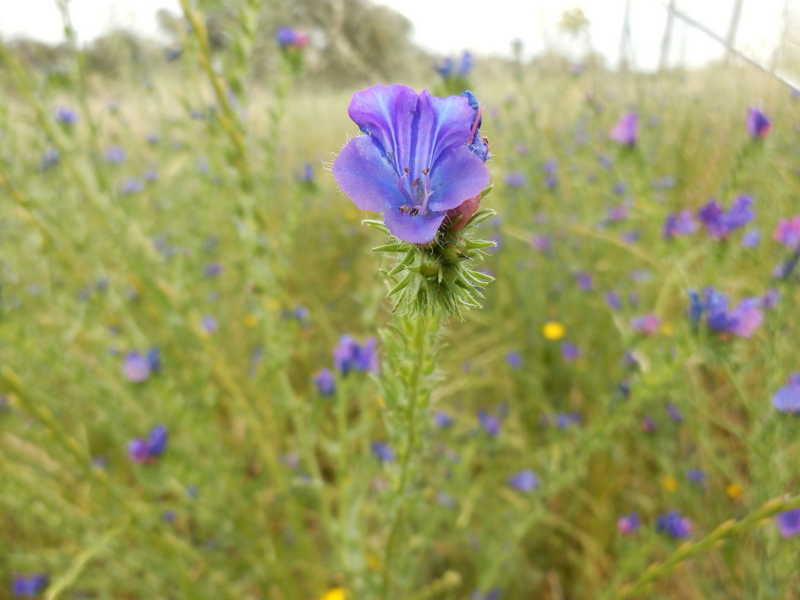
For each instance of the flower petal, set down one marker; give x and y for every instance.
(458, 176)
(387, 115)
(444, 124)
(367, 177)
(417, 229)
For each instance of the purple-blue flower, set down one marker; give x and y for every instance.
(420, 157)
(147, 451)
(445, 68)
(116, 155)
(28, 586)
(325, 382)
(719, 223)
(696, 476)
(613, 300)
(787, 398)
(681, 224)
(673, 524)
(751, 238)
(524, 481)
(350, 355)
(646, 324)
(757, 123)
(490, 423)
(787, 232)
(584, 281)
(696, 308)
(136, 368)
(625, 130)
(628, 524)
(788, 522)
(442, 419)
(742, 320)
(569, 351)
(514, 180)
(66, 115)
(514, 359)
(382, 451)
(132, 186)
(674, 413)
(209, 323)
(288, 37)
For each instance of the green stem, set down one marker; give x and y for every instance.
(419, 351)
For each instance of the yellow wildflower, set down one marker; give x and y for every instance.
(670, 483)
(734, 491)
(337, 593)
(250, 320)
(553, 330)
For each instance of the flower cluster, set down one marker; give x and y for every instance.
(626, 130)
(787, 398)
(447, 68)
(349, 355)
(147, 451)
(674, 525)
(138, 368)
(29, 586)
(287, 37)
(720, 223)
(742, 320)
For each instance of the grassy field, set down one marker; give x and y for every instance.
(206, 241)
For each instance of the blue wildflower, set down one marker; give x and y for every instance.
(673, 524)
(695, 308)
(490, 423)
(442, 419)
(524, 481)
(751, 238)
(514, 359)
(628, 524)
(742, 320)
(136, 367)
(29, 586)
(414, 163)
(696, 476)
(325, 382)
(680, 224)
(132, 186)
(757, 123)
(209, 323)
(147, 451)
(349, 355)
(66, 115)
(787, 398)
(116, 155)
(382, 451)
(570, 351)
(719, 223)
(788, 522)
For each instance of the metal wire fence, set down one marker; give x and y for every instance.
(763, 33)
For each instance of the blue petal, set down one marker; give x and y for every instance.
(366, 177)
(417, 229)
(444, 123)
(458, 176)
(387, 114)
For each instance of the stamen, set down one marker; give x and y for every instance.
(475, 125)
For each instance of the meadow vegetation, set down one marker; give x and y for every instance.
(174, 252)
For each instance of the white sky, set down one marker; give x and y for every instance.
(450, 26)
